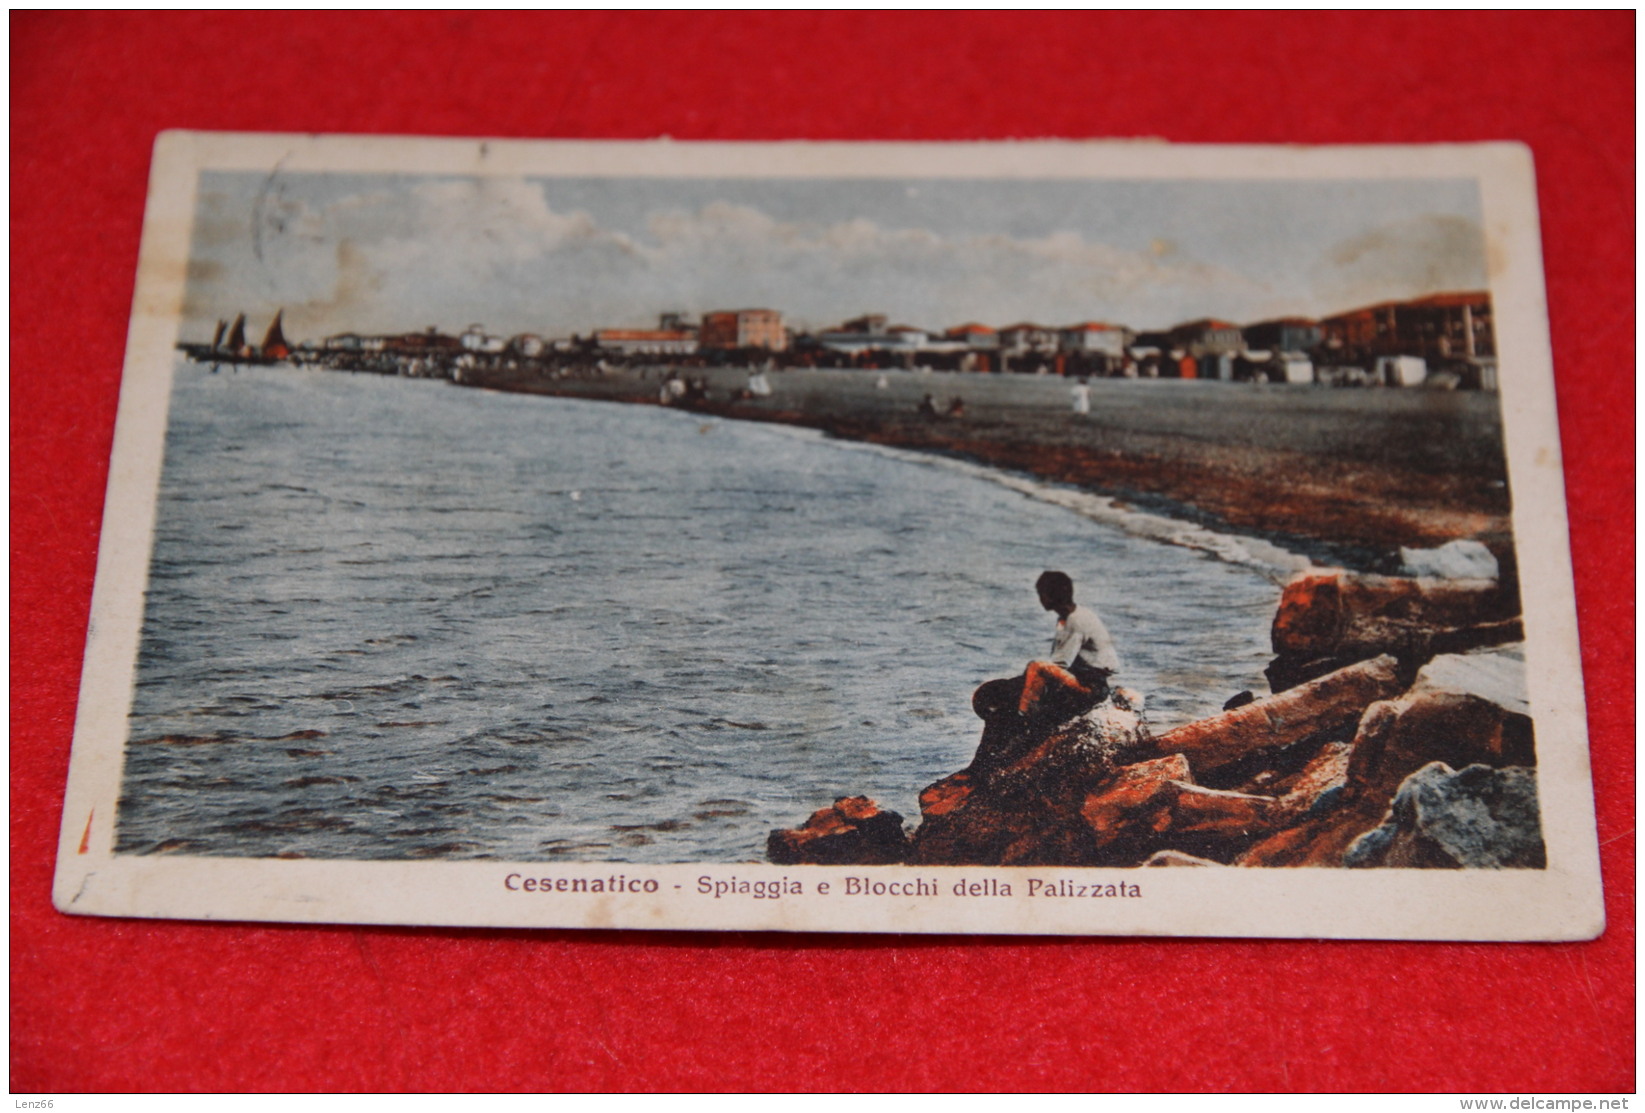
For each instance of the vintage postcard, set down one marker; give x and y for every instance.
(1054, 538)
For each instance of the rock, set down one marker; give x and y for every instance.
(1496, 675)
(946, 795)
(1454, 560)
(1177, 858)
(1461, 639)
(1317, 841)
(1474, 818)
(1070, 756)
(1156, 802)
(1198, 811)
(1319, 786)
(1433, 723)
(963, 824)
(1136, 800)
(1288, 671)
(1285, 719)
(1320, 612)
(1330, 618)
(1461, 711)
(853, 832)
(1019, 802)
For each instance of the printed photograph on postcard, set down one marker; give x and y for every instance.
(1040, 538)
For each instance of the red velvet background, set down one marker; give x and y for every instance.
(117, 1005)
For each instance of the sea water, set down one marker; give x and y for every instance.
(392, 618)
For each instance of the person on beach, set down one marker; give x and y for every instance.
(1073, 680)
(1082, 397)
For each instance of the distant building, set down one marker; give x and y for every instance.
(1400, 370)
(420, 343)
(973, 335)
(647, 341)
(1206, 336)
(528, 344)
(476, 340)
(1439, 327)
(1028, 337)
(743, 328)
(871, 334)
(873, 324)
(1095, 338)
(1286, 334)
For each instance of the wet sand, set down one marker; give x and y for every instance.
(1345, 476)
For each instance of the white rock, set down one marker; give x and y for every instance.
(1454, 560)
(1497, 675)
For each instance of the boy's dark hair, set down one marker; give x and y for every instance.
(1055, 586)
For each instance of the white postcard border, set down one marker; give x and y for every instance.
(1562, 902)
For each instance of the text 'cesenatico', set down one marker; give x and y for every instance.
(718, 888)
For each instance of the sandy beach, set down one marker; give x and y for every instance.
(1346, 476)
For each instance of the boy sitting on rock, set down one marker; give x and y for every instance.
(1071, 682)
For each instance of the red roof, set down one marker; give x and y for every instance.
(1465, 297)
(1468, 297)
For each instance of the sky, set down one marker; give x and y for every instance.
(394, 253)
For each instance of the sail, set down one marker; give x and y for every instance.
(217, 337)
(274, 341)
(236, 336)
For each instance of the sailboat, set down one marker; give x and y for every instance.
(228, 344)
(274, 341)
(235, 346)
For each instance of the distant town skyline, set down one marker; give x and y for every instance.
(396, 253)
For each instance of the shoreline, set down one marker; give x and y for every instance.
(1342, 477)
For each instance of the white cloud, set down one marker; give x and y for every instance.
(497, 251)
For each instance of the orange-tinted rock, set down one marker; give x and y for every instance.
(1154, 805)
(853, 832)
(856, 809)
(1137, 798)
(1285, 719)
(1019, 804)
(1326, 773)
(1210, 811)
(986, 831)
(1341, 614)
(1309, 618)
(1398, 737)
(947, 794)
(1320, 841)
(1062, 762)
